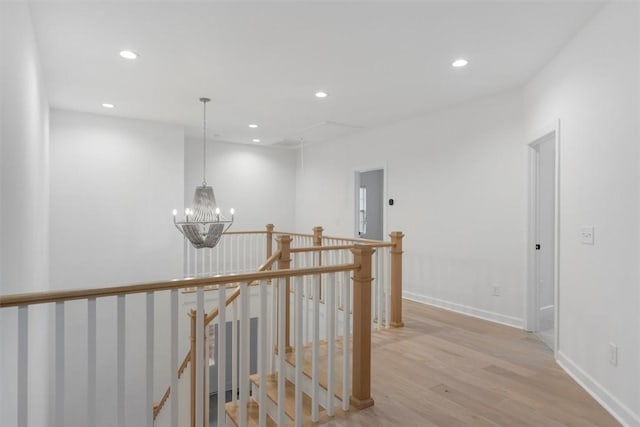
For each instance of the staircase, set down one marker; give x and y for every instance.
(305, 375)
(306, 385)
(312, 294)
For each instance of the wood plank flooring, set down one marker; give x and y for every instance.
(446, 369)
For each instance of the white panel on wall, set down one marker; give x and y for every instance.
(458, 180)
(593, 87)
(258, 182)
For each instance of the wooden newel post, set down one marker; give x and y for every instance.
(284, 263)
(361, 378)
(269, 241)
(396, 279)
(317, 235)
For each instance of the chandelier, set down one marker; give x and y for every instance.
(204, 224)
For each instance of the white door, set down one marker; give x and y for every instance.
(545, 245)
(369, 197)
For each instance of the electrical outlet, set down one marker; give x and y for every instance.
(586, 235)
(496, 290)
(613, 354)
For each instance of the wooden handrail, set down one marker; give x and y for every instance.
(321, 248)
(292, 234)
(269, 262)
(59, 296)
(184, 364)
(245, 232)
(369, 242)
(214, 312)
(158, 406)
(264, 267)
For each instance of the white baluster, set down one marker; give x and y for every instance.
(175, 394)
(91, 359)
(341, 285)
(195, 263)
(218, 269)
(274, 322)
(387, 285)
(234, 353)
(23, 364)
(199, 356)
(224, 254)
(346, 344)
(244, 352)
(298, 297)
(281, 350)
(307, 301)
(120, 373)
(237, 253)
(263, 353)
(186, 251)
(246, 252)
(256, 247)
(330, 310)
(378, 288)
(222, 349)
(315, 358)
(150, 351)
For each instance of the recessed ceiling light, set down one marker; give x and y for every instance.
(255, 140)
(253, 125)
(459, 63)
(321, 94)
(127, 54)
(107, 105)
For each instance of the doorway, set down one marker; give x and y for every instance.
(369, 204)
(543, 283)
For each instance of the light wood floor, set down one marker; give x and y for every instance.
(446, 369)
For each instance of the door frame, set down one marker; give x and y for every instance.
(543, 134)
(356, 196)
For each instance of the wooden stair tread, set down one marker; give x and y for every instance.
(253, 414)
(271, 382)
(307, 367)
(290, 401)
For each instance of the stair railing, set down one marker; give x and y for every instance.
(347, 328)
(386, 269)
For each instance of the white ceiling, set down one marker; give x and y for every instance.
(262, 62)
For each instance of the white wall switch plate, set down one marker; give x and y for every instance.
(586, 235)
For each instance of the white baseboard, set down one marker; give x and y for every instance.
(616, 408)
(465, 309)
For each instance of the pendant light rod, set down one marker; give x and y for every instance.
(204, 141)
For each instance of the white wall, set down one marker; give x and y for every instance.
(24, 211)
(114, 183)
(258, 182)
(458, 180)
(593, 87)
